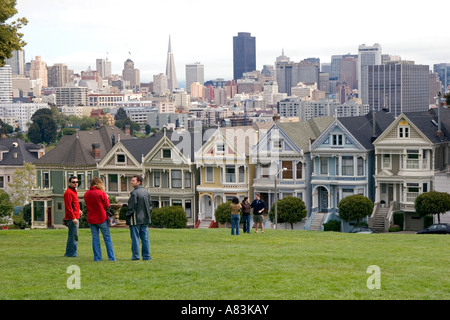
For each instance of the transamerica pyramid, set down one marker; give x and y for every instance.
(170, 70)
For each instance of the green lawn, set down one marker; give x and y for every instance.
(211, 264)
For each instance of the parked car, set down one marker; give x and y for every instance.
(362, 230)
(437, 228)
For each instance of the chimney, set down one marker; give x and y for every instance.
(96, 151)
(113, 140)
(374, 126)
(439, 130)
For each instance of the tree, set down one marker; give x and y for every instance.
(432, 202)
(43, 128)
(6, 206)
(10, 38)
(121, 114)
(289, 209)
(355, 207)
(24, 179)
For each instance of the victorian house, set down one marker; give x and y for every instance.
(412, 157)
(343, 164)
(77, 155)
(282, 160)
(165, 163)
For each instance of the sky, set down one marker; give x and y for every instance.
(79, 32)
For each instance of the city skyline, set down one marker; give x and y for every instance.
(79, 33)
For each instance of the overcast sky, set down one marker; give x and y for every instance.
(78, 32)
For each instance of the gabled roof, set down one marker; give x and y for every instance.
(141, 147)
(426, 122)
(361, 127)
(76, 149)
(16, 152)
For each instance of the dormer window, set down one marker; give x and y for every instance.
(337, 140)
(121, 159)
(167, 154)
(220, 148)
(403, 130)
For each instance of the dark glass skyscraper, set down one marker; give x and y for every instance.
(244, 54)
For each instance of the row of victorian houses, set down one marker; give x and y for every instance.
(390, 160)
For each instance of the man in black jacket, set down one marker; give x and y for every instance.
(258, 206)
(138, 218)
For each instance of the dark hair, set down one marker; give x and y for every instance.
(72, 177)
(245, 198)
(235, 200)
(139, 178)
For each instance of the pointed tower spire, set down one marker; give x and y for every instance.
(170, 69)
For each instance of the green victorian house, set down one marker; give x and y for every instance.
(78, 155)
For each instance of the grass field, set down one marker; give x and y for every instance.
(210, 264)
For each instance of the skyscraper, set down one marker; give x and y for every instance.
(244, 54)
(129, 73)
(170, 70)
(17, 62)
(6, 84)
(367, 56)
(103, 67)
(194, 73)
(38, 70)
(59, 75)
(398, 87)
(443, 71)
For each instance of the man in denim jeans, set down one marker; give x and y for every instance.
(71, 216)
(138, 218)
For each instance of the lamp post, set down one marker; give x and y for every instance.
(276, 197)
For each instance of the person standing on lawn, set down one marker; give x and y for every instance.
(235, 215)
(97, 203)
(138, 218)
(72, 216)
(258, 206)
(246, 215)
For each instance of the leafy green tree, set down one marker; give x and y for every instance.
(147, 129)
(355, 207)
(43, 127)
(432, 202)
(121, 114)
(127, 121)
(6, 206)
(290, 210)
(223, 213)
(10, 37)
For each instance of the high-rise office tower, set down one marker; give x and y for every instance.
(398, 87)
(59, 75)
(6, 84)
(172, 83)
(244, 54)
(17, 62)
(347, 72)
(129, 73)
(194, 73)
(103, 67)
(38, 70)
(443, 71)
(367, 56)
(160, 84)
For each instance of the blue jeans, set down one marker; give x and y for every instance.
(104, 228)
(137, 232)
(235, 218)
(246, 221)
(72, 239)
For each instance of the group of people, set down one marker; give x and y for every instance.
(245, 207)
(97, 204)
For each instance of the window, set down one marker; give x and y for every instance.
(337, 139)
(360, 166)
(45, 179)
(277, 144)
(2, 182)
(177, 179)
(299, 171)
(265, 170)
(220, 148)
(403, 131)
(123, 183)
(167, 153)
(347, 166)
(209, 174)
(81, 181)
(157, 179)
(113, 182)
(241, 174)
(386, 161)
(288, 174)
(187, 179)
(120, 159)
(323, 165)
(412, 191)
(230, 174)
(412, 159)
(188, 208)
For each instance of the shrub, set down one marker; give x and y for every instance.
(173, 217)
(398, 219)
(290, 210)
(332, 225)
(395, 228)
(123, 212)
(223, 213)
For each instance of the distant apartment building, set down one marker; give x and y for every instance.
(103, 67)
(38, 70)
(6, 93)
(21, 112)
(443, 71)
(59, 75)
(160, 84)
(17, 62)
(195, 72)
(71, 96)
(105, 100)
(398, 87)
(140, 114)
(129, 73)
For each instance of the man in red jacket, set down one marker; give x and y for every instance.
(72, 216)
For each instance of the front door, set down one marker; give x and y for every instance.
(323, 199)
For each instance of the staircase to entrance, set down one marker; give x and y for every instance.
(380, 218)
(317, 222)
